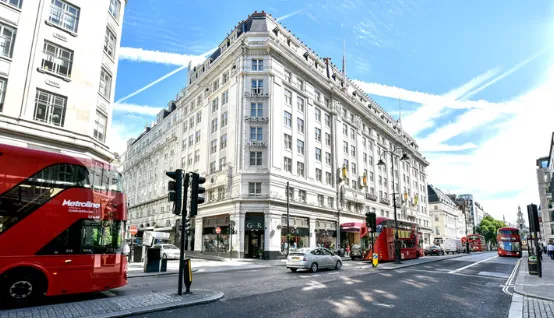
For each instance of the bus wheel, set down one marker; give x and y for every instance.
(22, 287)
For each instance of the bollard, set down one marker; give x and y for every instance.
(188, 275)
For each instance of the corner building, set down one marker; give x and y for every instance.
(265, 110)
(58, 66)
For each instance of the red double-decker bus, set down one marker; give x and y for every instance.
(62, 222)
(408, 236)
(509, 241)
(477, 242)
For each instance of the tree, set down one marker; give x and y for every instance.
(488, 228)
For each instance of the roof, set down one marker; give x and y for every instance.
(436, 195)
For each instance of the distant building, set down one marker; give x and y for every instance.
(58, 64)
(545, 180)
(520, 223)
(472, 223)
(448, 219)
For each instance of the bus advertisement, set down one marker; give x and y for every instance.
(477, 243)
(408, 236)
(62, 223)
(509, 242)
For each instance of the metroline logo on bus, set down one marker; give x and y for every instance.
(74, 206)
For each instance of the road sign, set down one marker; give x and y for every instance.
(375, 259)
(217, 230)
(133, 230)
(369, 229)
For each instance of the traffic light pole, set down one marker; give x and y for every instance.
(184, 238)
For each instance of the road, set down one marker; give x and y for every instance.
(468, 286)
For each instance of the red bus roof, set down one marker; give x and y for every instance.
(381, 219)
(508, 228)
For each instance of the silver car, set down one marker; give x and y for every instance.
(313, 259)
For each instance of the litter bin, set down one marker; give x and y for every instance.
(532, 265)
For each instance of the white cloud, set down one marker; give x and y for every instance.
(288, 15)
(137, 109)
(117, 137)
(141, 55)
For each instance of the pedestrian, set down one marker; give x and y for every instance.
(347, 250)
(550, 249)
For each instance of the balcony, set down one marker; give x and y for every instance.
(371, 196)
(385, 200)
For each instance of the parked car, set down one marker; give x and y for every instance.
(313, 259)
(434, 250)
(169, 251)
(356, 252)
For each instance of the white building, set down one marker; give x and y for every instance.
(58, 65)
(479, 213)
(545, 181)
(265, 110)
(448, 219)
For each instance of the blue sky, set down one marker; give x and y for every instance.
(470, 76)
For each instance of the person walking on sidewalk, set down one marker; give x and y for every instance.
(550, 249)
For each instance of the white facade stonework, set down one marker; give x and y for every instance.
(265, 110)
(545, 181)
(58, 67)
(448, 219)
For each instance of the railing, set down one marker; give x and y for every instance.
(371, 196)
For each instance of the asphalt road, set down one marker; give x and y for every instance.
(469, 286)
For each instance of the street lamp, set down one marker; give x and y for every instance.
(382, 163)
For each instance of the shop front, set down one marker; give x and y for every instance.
(299, 234)
(326, 234)
(254, 230)
(351, 233)
(213, 243)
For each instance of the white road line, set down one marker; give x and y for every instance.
(471, 265)
(506, 288)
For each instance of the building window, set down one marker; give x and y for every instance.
(318, 114)
(50, 108)
(2, 92)
(57, 59)
(257, 86)
(302, 196)
(191, 140)
(300, 125)
(197, 137)
(255, 158)
(64, 15)
(257, 65)
(327, 139)
(222, 163)
(327, 120)
(352, 133)
(288, 97)
(288, 141)
(328, 179)
(288, 164)
(224, 119)
(300, 146)
(114, 9)
(328, 158)
(318, 154)
(320, 200)
(288, 119)
(290, 193)
(216, 85)
(105, 84)
(330, 202)
(354, 170)
(196, 156)
(300, 103)
(13, 3)
(224, 98)
(318, 174)
(189, 159)
(100, 126)
(300, 168)
(345, 147)
(288, 76)
(215, 104)
(198, 117)
(256, 134)
(318, 134)
(7, 40)
(214, 125)
(256, 110)
(255, 188)
(110, 41)
(345, 130)
(214, 146)
(353, 151)
(300, 84)
(223, 141)
(225, 77)
(212, 167)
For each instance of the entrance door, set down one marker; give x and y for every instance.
(255, 244)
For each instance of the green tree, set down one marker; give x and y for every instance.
(488, 228)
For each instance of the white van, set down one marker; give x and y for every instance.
(452, 246)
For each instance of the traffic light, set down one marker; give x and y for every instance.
(232, 227)
(370, 221)
(186, 224)
(196, 189)
(175, 189)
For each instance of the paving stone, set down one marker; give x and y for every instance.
(537, 308)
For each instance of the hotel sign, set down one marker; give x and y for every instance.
(256, 95)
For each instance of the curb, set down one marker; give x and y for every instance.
(524, 294)
(159, 274)
(155, 308)
(410, 265)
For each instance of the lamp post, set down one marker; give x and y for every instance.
(382, 163)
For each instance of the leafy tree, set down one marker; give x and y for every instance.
(488, 228)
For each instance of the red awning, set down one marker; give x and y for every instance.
(354, 227)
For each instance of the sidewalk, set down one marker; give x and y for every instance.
(118, 306)
(533, 295)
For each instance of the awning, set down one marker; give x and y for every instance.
(354, 227)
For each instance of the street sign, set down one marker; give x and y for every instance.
(217, 230)
(133, 230)
(375, 259)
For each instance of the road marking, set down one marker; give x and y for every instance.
(383, 305)
(509, 282)
(108, 293)
(471, 265)
(494, 274)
